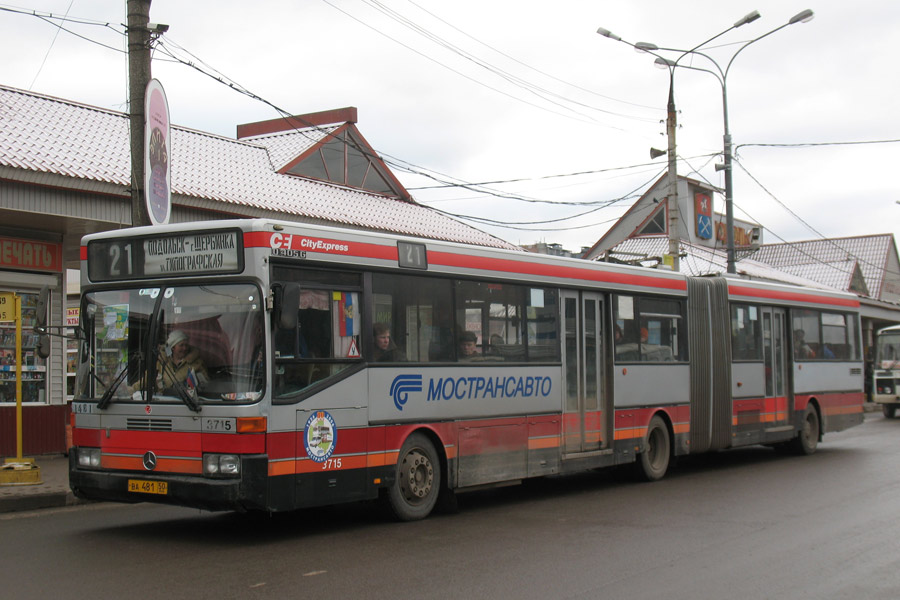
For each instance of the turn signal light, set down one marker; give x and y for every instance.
(251, 425)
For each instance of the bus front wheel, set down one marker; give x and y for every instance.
(417, 480)
(653, 462)
(889, 410)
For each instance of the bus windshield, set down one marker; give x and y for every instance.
(887, 350)
(197, 344)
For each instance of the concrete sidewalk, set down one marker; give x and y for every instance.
(52, 492)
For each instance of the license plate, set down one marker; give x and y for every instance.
(141, 486)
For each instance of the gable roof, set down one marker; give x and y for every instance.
(87, 148)
(835, 261)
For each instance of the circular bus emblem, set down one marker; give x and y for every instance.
(320, 436)
(149, 460)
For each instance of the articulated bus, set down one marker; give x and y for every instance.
(260, 365)
(886, 372)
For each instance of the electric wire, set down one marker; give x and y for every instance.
(527, 66)
(52, 43)
(539, 91)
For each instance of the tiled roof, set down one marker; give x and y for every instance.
(831, 261)
(49, 135)
(285, 146)
(701, 260)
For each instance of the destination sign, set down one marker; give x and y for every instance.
(189, 254)
(181, 255)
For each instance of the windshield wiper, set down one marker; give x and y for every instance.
(108, 394)
(185, 394)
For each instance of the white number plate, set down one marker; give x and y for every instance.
(223, 425)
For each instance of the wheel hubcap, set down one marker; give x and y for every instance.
(417, 477)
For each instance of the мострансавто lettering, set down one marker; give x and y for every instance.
(462, 388)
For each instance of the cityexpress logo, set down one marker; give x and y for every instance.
(469, 388)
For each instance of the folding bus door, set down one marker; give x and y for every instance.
(776, 410)
(584, 420)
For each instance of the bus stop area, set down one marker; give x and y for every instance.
(52, 492)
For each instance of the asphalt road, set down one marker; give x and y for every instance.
(738, 524)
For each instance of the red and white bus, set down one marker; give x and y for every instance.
(491, 366)
(886, 371)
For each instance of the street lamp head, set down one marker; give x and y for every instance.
(663, 63)
(609, 34)
(645, 47)
(802, 17)
(748, 18)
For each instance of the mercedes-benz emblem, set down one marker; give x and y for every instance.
(149, 460)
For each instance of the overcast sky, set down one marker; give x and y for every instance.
(527, 91)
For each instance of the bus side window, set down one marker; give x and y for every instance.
(416, 310)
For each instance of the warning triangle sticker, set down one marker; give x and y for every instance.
(354, 351)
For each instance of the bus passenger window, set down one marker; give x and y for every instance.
(326, 341)
(649, 329)
(417, 311)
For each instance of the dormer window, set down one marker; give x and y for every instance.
(344, 159)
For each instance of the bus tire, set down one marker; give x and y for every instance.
(807, 439)
(889, 410)
(417, 480)
(653, 462)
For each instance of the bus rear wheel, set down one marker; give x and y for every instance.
(807, 439)
(417, 480)
(889, 410)
(653, 463)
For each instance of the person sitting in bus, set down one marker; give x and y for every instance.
(180, 362)
(467, 348)
(385, 348)
(801, 348)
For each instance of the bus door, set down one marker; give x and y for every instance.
(584, 420)
(777, 405)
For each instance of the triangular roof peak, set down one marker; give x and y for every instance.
(316, 119)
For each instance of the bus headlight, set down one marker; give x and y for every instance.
(89, 458)
(221, 465)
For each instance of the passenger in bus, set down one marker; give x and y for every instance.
(181, 363)
(467, 348)
(385, 348)
(801, 348)
(177, 361)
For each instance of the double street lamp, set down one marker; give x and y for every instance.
(722, 77)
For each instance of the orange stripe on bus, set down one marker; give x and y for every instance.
(543, 443)
(631, 433)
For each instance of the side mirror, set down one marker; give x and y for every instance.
(286, 305)
(43, 346)
(40, 313)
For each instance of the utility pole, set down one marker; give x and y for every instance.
(672, 208)
(138, 77)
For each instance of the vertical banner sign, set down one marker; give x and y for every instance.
(703, 211)
(157, 150)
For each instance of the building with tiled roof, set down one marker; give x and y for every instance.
(864, 264)
(65, 170)
(867, 266)
(70, 146)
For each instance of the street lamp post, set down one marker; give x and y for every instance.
(722, 76)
